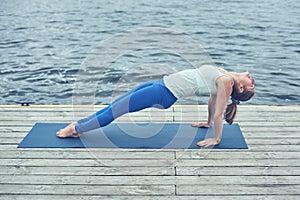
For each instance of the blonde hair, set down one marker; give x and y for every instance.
(236, 97)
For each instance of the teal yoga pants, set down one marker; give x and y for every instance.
(149, 94)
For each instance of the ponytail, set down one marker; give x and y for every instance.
(236, 97)
(230, 113)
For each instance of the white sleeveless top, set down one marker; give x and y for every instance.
(192, 82)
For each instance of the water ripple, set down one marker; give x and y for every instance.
(43, 44)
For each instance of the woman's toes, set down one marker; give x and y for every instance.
(58, 133)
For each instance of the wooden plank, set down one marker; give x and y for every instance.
(236, 155)
(141, 197)
(53, 111)
(238, 189)
(124, 119)
(239, 163)
(255, 108)
(275, 134)
(150, 190)
(146, 180)
(249, 123)
(238, 171)
(274, 141)
(72, 116)
(85, 154)
(274, 148)
(155, 154)
(87, 162)
(241, 113)
(150, 163)
(14, 129)
(87, 171)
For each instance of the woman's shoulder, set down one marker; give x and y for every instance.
(224, 83)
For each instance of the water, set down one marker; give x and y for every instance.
(44, 43)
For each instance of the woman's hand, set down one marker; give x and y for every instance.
(201, 124)
(208, 142)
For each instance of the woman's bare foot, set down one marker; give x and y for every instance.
(68, 131)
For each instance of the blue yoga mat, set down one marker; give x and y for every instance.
(130, 135)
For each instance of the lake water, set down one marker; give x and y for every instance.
(44, 45)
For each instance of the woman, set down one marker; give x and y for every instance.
(222, 85)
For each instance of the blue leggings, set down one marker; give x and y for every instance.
(149, 94)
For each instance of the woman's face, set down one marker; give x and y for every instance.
(247, 81)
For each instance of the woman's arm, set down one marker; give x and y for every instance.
(209, 118)
(223, 93)
(210, 109)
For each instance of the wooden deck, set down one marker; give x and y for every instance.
(269, 169)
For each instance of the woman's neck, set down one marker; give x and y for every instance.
(234, 76)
